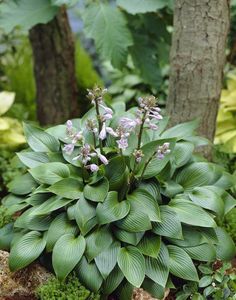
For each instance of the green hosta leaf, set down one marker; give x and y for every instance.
(39, 140)
(171, 188)
(170, 225)
(226, 181)
(191, 214)
(207, 198)
(181, 264)
(225, 250)
(111, 41)
(205, 281)
(6, 236)
(204, 252)
(182, 153)
(38, 199)
(197, 174)
(125, 291)
(14, 203)
(52, 204)
(97, 192)
(66, 254)
(144, 201)
(67, 188)
(153, 288)
(25, 250)
(112, 281)
(85, 215)
(31, 221)
(59, 227)
(22, 184)
(50, 173)
(229, 201)
(132, 238)
(141, 6)
(111, 209)
(192, 236)
(33, 159)
(153, 189)
(25, 13)
(181, 131)
(107, 259)
(158, 268)
(97, 242)
(64, 2)
(150, 244)
(132, 264)
(89, 275)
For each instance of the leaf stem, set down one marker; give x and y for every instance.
(99, 124)
(141, 130)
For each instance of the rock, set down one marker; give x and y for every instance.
(140, 294)
(22, 284)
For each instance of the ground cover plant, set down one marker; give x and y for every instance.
(119, 200)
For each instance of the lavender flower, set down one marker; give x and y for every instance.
(96, 94)
(111, 131)
(103, 132)
(122, 143)
(127, 123)
(69, 128)
(103, 159)
(93, 167)
(91, 125)
(163, 150)
(85, 155)
(69, 148)
(138, 154)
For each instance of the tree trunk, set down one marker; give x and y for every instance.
(54, 68)
(197, 62)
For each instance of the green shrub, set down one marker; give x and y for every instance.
(119, 199)
(5, 216)
(230, 223)
(71, 289)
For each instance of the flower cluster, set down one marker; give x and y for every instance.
(74, 136)
(163, 150)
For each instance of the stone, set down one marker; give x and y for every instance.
(140, 294)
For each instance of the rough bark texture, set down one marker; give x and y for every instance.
(54, 67)
(197, 61)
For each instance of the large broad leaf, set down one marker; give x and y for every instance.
(22, 184)
(112, 281)
(132, 264)
(152, 188)
(50, 173)
(85, 215)
(204, 252)
(111, 209)
(97, 192)
(111, 41)
(38, 199)
(225, 250)
(150, 244)
(26, 250)
(132, 238)
(229, 201)
(25, 13)
(181, 264)
(97, 242)
(39, 140)
(14, 203)
(68, 188)
(153, 288)
(6, 236)
(226, 181)
(59, 226)
(207, 198)
(158, 268)
(66, 254)
(182, 153)
(141, 6)
(181, 131)
(191, 214)
(64, 2)
(89, 275)
(107, 259)
(170, 225)
(33, 159)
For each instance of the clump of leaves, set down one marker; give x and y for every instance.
(230, 224)
(71, 289)
(5, 216)
(119, 200)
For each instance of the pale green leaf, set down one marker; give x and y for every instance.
(68, 188)
(32, 159)
(132, 238)
(141, 6)
(22, 184)
(6, 99)
(225, 250)
(150, 244)
(97, 192)
(112, 281)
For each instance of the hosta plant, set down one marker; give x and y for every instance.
(119, 200)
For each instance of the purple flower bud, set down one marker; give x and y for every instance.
(69, 148)
(103, 133)
(107, 116)
(163, 150)
(111, 131)
(93, 167)
(69, 124)
(122, 143)
(153, 126)
(127, 123)
(107, 109)
(103, 159)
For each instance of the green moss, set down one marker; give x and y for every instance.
(230, 223)
(71, 289)
(5, 217)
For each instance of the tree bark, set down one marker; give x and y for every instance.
(197, 62)
(54, 68)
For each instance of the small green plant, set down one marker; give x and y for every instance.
(5, 216)
(230, 224)
(71, 289)
(119, 200)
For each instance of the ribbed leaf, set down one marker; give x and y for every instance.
(39, 140)
(89, 275)
(181, 264)
(171, 188)
(59, 226)
(207, 198)
(150, 244)
(153, 288)
(97, 242)
(191, 214)
(6, 236)
(182, 153)
(107, 259)
(25, 250)
(181, 131)
(140, 6)
(158, 268)
(52, 204)
(170, 225)
(32, 159)
(66, 254)
(229, 202)
(97, 192)
(50, 173)
(85, 215)
(225, 250)
(204, 252)
(153, 189)
(38, 199)
(132, 238)
(22, 184)
(116, 179)
(111, 209)
(132, 264)
(14, 203)
(226, 181)
(191, 237)
(67, 188)
(112, 281)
